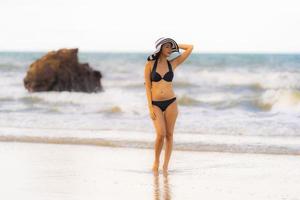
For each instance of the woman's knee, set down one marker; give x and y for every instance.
(160, 138)
(161, 134)
(169, 135)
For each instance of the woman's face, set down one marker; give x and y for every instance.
(166, 49)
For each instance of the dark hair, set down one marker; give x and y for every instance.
(157, 54)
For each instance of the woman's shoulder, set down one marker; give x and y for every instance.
(149, 61)
(149, 64)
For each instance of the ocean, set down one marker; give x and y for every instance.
(227, 102)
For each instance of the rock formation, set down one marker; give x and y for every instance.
(61, 71)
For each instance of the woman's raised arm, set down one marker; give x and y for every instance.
(188, 50)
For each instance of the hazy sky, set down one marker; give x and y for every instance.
(134, 25)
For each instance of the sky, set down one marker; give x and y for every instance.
(135, 25)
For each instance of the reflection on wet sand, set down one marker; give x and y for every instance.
(156, 187)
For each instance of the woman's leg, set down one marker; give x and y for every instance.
(160, 127)
(170, 117)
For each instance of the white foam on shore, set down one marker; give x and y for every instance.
(135, 139)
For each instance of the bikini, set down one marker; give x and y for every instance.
(155, 77)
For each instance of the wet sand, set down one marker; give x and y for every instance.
(55, 171)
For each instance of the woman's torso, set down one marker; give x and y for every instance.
(162, 89)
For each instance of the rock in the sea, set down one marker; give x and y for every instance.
(60, 71)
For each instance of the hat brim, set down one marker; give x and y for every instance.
(175, 47)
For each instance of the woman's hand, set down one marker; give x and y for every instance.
(152, 114)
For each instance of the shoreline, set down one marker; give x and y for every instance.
(107, 142)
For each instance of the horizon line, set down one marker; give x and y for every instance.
(148, 52)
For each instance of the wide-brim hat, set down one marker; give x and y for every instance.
(159, 43)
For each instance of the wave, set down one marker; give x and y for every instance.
(275, 100)
(185, 100)
(187, 146)
(280, 100)
(113, 109)
(31, 99)
(184, 84)
(6, 99)
(9, 67)
(253, 79)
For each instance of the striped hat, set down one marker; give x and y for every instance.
(158, 45)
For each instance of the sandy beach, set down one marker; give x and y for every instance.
(56, 171)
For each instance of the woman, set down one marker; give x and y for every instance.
(160, 95)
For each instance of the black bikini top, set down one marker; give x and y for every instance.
(156, 76)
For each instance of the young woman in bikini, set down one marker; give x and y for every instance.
(160, 95)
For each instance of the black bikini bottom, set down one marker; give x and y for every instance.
(164, 103)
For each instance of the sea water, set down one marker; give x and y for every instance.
(226, 102)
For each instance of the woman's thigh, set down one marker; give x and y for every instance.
(171, 114)
(159, 121)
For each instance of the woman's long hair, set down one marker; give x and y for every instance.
(157, 54)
